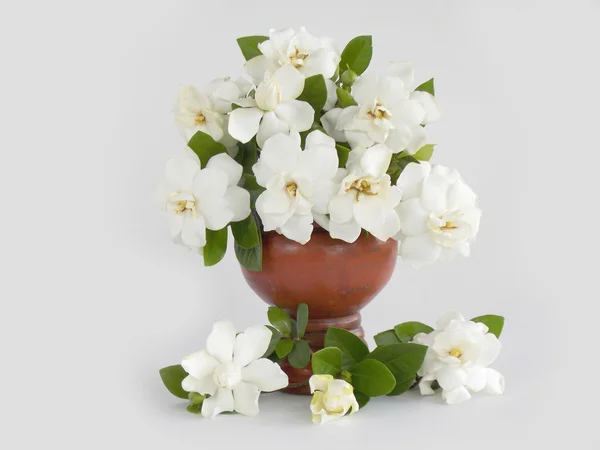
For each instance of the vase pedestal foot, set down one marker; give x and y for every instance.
(315, 336)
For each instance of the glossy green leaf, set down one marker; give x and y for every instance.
(216, 246)
(343, 153)
(299, 357)
(205, 147)
(301, 319)
(403, 360)
(493, 322)
(249, 45)
(424, 153)
(357, 54)
(284, 346)
(246, 232)
(402, 386)
(327, 361)
(249, 258)
(426, 87)
(280, 319)
(344, 99)
(361, 399)
(172, 377)
(315, 92)
(353, 348)
(275, 337)
(408, 330)
(250, 157)
(386, 337)
(372, 378)
(398, 163)
(249, 183)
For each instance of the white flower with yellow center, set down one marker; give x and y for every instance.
(300, 50)
(438, 213)
(206, 110)
(198, 199)
(458, 355)
(366, 198)
(232, 370)
(332, 398)
(298, 183)
(274, 109)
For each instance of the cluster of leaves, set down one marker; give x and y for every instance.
(172, 376)
(287, 336)
(387, 370)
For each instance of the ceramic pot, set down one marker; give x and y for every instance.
(334, 278)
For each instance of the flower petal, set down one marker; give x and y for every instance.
(490, 349)
(199, 364)
(215, 212)
(290, 82)
(413, 218)
(372, 214)
(341, 207)
(298, 227)
(405, 70)
(322, 61)
(258, 67)
(221, 340)
(448, 318)
(297, 114)
(329, 121)
(209, 183)
(319, 382)
(495, 382)
(265, 374)
(273, 201)
(245, 396)
(331, 94)
(376, 160)
(456, 396)
(251, 345)
(419, 250)
(435, 194)
(180, 172)
(238, 202)
(451, 378)
(411, 179)
(477, 378)
(244, 123)
(220, 402)
(347, 231)
(280, 154)
(204, 385)
(270, 126)
(425, 387)
(193, 231)
(225, 163)
(433, 110)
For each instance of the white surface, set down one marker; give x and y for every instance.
(95, 299)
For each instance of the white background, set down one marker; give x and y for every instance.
(95, 298)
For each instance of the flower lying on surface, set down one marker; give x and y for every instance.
(332, 398)
(458, 357)
(232, 371)
(438, 214)
(206, 110)
(298, 182)
(274, 108)
(197, 199)
(304, 52)
(366, 198)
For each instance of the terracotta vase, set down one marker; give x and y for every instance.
(335, 279)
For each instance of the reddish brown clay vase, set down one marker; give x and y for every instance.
(334, 278)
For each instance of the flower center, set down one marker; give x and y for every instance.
(448, 226)
(182, 206)
(200, 118)
(297, 58)
(292, 189)
(456, 352)
(363, 186)
(333, 403)
(227, 375)
(379, 112)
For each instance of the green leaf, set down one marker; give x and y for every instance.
(315, 92)
(426, 87)
(205, 147)
(403, 361)
(398, 163)
(357, 54)
(402, 386)
(327, 361)
(344, 99)
(343, 153)
(172, 377)
(280, 319)
(299, 357)
(301, 319)
(249, 45)
(249, 258)
(353, 348)
(493, 322)
(249, 183)
(275, 337)
(196, 398)
(408, 330)
(372, 378)
(424, 153)
(245, 232)
(194, 408)
(250, 157)
(386, 337)
(216, 246)
(361, 399)
(283, 347)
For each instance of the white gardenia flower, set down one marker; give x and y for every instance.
(458, 355)
(332, 398)
(298, 183)
(366, 198)
(273, 110)
(232, 370)
(300, 50)
(206, 110)
(198, 199)
(438, 213)
(387, 112)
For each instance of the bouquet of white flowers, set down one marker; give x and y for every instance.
(311, 139)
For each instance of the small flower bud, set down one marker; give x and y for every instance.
(196, 398)
(349, 77)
